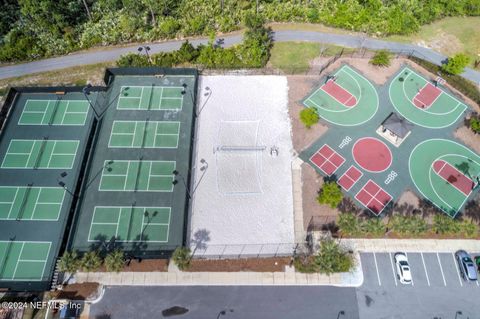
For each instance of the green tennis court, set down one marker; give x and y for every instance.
(43, 154)
(348, 100)
(31, 203)
(148, 176)
(23, 260)
(422, 103)
(54, 112)
(144, 134)
(130, 224)
(150, 98)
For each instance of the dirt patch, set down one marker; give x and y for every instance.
(146, 265)
(77, 291)
(312, 210)
(298, 88)
(247, 264)
(468, 137)
(443, 42)
(407, 203)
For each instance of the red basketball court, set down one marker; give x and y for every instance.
(339, 93)
(327, 160)
(373, 197)
(349, 178)
(453, 176)
(426, 96)
(372, 155)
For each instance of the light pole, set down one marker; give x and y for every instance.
(207, 94)
(340, 313)
(86, 91)
(146, 48)
(223, 312)
(203, 169)
(458, 313)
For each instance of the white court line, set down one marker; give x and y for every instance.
(18, 260)
(393, 269)
(441, 270)
(14, 199)
(411, 272)
(425, 268)
(458, 271)
(376, 266)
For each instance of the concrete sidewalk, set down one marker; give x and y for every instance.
(174, 277)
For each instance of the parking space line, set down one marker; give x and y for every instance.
(411, 272)
(458, 271)
(393, 269)
(376, 267)
(425, 268)
(441, 270)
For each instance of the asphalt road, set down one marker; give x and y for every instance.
(110, 54)
(227, 302)
(437, 291)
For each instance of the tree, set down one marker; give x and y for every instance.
(90, 261)
(381, 58)
(474, 124)
(456, 64)
(69, 262)
(330, 194)
(373, 226)
(115, 261)
(309, 116)
(333, 258)
(9, 14)
(182, 257)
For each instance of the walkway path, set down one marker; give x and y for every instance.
(111, 54)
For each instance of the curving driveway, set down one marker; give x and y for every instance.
(91, 57)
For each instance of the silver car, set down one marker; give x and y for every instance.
(466, 265)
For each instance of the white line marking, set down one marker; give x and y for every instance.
(425, 268)
(376, 266)
(393, 269)
(457, 270)
(411, 272)
(441, 270)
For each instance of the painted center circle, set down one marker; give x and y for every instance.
(372, 154)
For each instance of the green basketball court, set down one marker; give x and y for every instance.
(54, 112)
(335, 104)
(41, 154)
(147, 176)
(144, 134)
(130, 224)
(31, 203)
(150, 98)
(23, 260)
(432, 108)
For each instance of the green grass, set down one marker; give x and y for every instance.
(294, 57)
(449, 36)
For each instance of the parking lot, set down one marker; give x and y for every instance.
(437, 289)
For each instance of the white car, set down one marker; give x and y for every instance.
(403, 268)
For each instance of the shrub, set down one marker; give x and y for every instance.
(69, 262)
(468, 229)
(168, 27)
(330, 194)
(373, 226)
(333, 258)
(474, 124)
(181, 257)
(456, 64)
(408, 225)
(381, 58)
(309, 116)
(115, 261)
(133, 60)
(348, 224)
(443, 224)
(90, 261)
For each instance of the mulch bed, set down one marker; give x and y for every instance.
(146, 265)
(77, 291)
(248, 264)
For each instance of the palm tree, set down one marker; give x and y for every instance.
(90, 261)
(115, 261)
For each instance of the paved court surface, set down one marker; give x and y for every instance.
(136, 197)
(437, 290)
(42, 147)
(372, 170)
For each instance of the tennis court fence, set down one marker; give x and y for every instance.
(247, 251)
